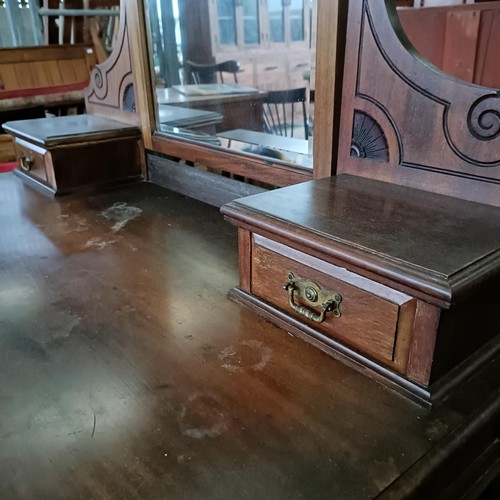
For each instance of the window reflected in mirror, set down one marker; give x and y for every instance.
(236, 75)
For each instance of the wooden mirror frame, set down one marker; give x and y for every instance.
(327, 92)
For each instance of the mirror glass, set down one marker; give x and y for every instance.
(49, 55)
(459, 37)
(236, 74)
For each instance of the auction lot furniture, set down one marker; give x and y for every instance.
(394, 263)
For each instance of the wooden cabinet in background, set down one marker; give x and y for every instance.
(270, 39)
(462, 40)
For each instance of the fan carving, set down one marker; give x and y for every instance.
(129, 98)
(368, 139)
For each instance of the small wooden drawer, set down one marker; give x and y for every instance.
(415, 279)
(66, 153)
(32, 160)
(374, 319)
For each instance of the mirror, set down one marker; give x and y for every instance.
(459, 37)
(236, 75)
(48, 55)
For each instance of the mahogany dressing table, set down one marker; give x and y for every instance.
(402, 248)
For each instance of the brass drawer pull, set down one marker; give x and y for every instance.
(26, 162)
(312, 294)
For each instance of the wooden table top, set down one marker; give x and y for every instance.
(186, 117)
(69, 129)
(444, 242)
(294, 145)
(171, 96)
(128, 374)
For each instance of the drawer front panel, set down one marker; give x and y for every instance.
(370, 312)
(32, 160)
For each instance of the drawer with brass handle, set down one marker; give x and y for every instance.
(366, 315)
(32, 160)
(67, 153)
(314, 296)
(400, 283)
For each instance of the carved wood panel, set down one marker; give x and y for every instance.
(111, 91)
(442, 134)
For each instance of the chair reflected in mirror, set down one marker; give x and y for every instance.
(211, 73)
(285, 113)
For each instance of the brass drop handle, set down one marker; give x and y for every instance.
(314, 296)
(26, 162)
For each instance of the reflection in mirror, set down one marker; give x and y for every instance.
(460, 37)
(236, 74)
(47, 56)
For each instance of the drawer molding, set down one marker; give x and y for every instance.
(333, 348)
(375, 319)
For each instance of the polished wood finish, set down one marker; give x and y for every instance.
(131, 376)
(441, 134)
(328, 78)
(370, 311)
(423, 342)
(341, 230)
(261, 169)
(66, 153)
(399, 233)
(194, 182)
(7, 151)
(141, 69)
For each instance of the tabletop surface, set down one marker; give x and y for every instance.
(66, 129)
(439, 234)
(172, 96)
(185, 117)
(131, 375)
(292, 144)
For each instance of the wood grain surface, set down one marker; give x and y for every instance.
(368, 320)
(126, 373)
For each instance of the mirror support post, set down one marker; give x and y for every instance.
(136, 25)
(330, 42)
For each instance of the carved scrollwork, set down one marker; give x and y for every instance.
(98, 78)
(111, 89)
(483, 119)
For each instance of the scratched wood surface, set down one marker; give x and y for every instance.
(126, 372)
